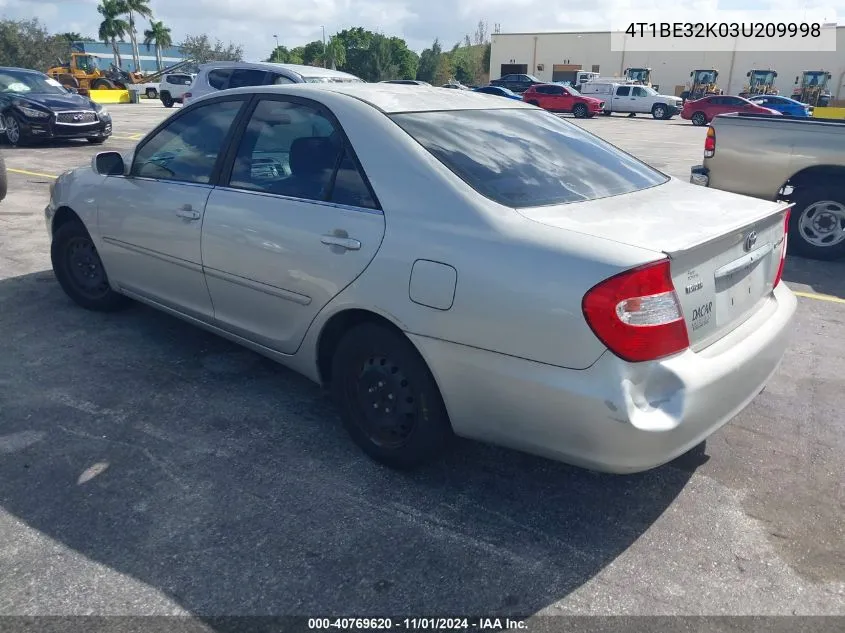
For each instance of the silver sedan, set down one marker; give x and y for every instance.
(446, 264)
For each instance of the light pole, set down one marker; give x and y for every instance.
(324, 45)
(276, 52)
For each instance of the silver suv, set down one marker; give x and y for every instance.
(223, 75)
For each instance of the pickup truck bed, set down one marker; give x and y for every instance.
(796, 160)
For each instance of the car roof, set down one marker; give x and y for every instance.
(391, 98)
(300, 69)
(21, 70)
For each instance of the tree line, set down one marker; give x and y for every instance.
(376, 57)
(366, 54)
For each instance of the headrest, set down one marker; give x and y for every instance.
(312, 154)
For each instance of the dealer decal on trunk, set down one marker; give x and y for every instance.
(701, 315)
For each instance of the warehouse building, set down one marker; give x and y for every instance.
(559, 56)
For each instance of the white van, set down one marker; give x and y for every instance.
(628, 98)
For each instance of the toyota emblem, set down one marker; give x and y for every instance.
(750, 240)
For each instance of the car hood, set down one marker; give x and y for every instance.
(58, 102)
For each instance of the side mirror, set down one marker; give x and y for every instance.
(796, 80)
(108, 164)
(72, 90)
(748, 74)
(775, 74)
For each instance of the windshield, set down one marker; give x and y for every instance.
(333, 80)
(22, 83)
(527, 158)
(649, 91)
(533, 78)
(637, 75)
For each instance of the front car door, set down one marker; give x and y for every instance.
(151, 219)
(564, 100)
(292, 224)
(641, 99)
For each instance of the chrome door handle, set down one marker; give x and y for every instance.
(344, 242)
(188, 212)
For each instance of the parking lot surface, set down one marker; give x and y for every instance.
(147, 467)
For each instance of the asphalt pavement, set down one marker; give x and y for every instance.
(148, 467)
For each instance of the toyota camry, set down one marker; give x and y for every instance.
(446, 264)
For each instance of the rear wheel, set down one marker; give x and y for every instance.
(534, 102)
(817, 223)
(102, 84)
(167, 100)
(97, 140)
(389, 402)
(699, 118)
(80, 272)
(580, 111)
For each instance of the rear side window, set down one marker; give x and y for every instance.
(242, 77)
(543, 160)
(275, 79)
(623, 91)
(219, 78)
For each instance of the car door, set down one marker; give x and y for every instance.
(563, 99)
(293, 223)
(622, 99)
(640, 99)
(150, 220)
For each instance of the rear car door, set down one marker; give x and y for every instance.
(150, 220)
(622, 99)
(293, 223)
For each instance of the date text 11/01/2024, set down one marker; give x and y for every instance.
(415, 624)
(724, 29)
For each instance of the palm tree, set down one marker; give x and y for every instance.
(131, 8)
(159, 35)
(112, 28)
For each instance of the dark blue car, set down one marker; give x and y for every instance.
(498, 91)
(784, 105)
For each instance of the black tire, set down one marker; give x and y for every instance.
(374, 365)
(534, 103)
(152, 93)
(69, 81)
(15, 135)
(102, 84)
(96, 140)
(580, 111)
(659, 111)
(699, 119)
(3, 178)
(80, 271)
(606, 112)
(167, 100)
(811, 223)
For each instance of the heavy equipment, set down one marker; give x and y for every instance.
(702, 84)
(640, 76)
(812, 88)
(760, 82)
(83, 73)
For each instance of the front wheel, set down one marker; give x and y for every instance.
(80, 272)
(699, 118)
(580, 111)
(102, 84)
(389, 402)
(817, 223)
(14, 132)
(97, 140)
(659, 111)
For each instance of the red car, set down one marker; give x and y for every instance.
(557, 98)
(702, 111)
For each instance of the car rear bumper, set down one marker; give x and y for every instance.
(700, 175)
(615, 417)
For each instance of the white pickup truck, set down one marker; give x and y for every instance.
(626, 98)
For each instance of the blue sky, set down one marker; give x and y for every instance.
(253, 23)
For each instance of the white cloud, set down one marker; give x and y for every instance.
(254, 22)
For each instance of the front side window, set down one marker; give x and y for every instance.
(294, 150)
(186, 150)
(542, 160)
(640, 92)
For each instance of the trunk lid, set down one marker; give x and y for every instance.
(724, 248)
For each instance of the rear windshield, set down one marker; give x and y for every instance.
(527, 157)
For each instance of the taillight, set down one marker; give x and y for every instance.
(637, 315)
(710, 142)
(783, 247)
